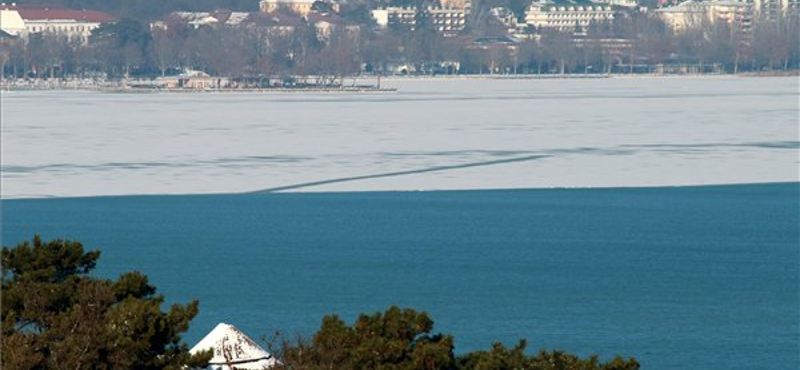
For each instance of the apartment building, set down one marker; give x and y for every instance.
(447, 21)
(567, 15)
(395, 16)
(739, 15)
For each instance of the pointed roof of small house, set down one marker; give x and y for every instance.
(232, 349)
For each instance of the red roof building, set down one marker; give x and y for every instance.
(56, 19)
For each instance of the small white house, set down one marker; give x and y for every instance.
(233, 350)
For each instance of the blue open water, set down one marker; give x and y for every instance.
(680, 278)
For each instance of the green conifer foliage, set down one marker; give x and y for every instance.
(397, 339)
(56, 316)
(401, 339)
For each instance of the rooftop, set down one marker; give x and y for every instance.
(43, 12)
(230, 346)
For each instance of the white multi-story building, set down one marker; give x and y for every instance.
(24, 20)
(393, 16)
(447, 21)
(567, 16)
(690, 14)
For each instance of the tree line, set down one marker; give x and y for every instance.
(55, 315)
(403, 339)
(632, 44)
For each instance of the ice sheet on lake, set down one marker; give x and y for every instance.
(432, 134)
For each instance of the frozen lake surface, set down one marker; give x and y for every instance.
(431, 134)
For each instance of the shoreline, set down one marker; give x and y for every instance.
(134, 87)
(793, 73)
(143, 90)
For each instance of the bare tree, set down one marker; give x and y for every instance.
(46, 53)
(164, 49)
(773, 42)
(559, 46)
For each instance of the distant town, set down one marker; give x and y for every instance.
(219, 44)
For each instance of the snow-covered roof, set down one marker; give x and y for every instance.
(196, 18)
(232, 348)
(218, 16)
(193, 73)
(289, 1)
(237, 18)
